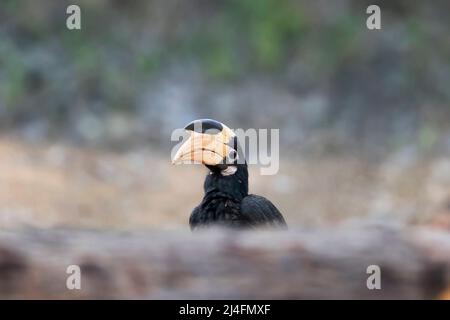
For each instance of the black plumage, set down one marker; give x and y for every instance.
(227, 203)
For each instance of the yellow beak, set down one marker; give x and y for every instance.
(203, 148)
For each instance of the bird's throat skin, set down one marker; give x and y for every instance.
(221, 204)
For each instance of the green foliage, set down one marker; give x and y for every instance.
(149, 62)
(271, 27)
(333, 44)
(123, 47)
(428, 136)
(10, 6)
(247, 35)
(13, 70)
(84, 53)
(416, 32)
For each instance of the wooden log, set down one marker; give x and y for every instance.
(326, 263)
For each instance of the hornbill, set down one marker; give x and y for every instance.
(226, 201)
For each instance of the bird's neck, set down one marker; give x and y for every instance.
(233, 187)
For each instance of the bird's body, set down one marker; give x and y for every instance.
(226, 201)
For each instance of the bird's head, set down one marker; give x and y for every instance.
(210, 143)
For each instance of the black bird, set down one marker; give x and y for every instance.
(226, 201)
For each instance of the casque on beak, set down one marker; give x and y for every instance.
(209, 143)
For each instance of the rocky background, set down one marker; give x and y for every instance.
(86, 118)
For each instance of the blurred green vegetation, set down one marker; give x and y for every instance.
(124, 49)
(13, 69)
(241, 37)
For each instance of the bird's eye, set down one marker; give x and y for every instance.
(232, 156)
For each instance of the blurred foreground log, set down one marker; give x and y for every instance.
(326, 263)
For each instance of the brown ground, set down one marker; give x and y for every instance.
(56, 185)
